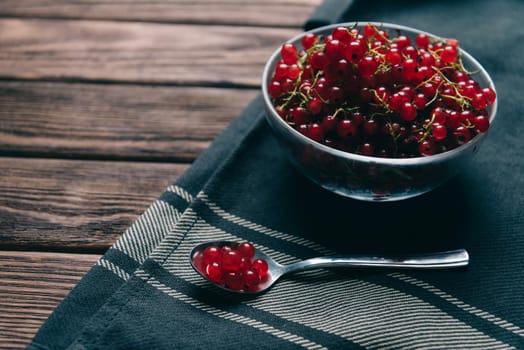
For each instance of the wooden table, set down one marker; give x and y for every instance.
(102, 105)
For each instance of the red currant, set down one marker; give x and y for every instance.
(308, 41)
(214, 272)
(449, 54)
(212, 254)
(422, 41)
(261, 267)
(481, 122)
(408, 112)
(231, 260)
(234, 280)
(251, 277)
(439, 132)
(289, 53)
(246, 249)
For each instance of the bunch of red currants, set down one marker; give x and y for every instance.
(364, 92)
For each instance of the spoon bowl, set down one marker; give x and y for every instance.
(437, 260)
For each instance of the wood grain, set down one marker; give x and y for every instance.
(72, 205)
(136, 52)
(282, 13)
(32, 284)
(114, 121)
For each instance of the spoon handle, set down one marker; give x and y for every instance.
(453, 258)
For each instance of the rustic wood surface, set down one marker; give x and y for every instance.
(274, 13)
(33, 283)
(129, 122)
(102, 105)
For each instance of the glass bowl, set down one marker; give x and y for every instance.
(365, 177)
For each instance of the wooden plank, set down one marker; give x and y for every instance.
(260, 13)
(136, 52)
(32, 284)
(73, 205)
(114, 121)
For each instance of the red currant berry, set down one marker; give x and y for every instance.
(489, 95)
(420, 101)
(402, 42)
(426, 59)
(251, 277)
(214, 272)
(369, 30)
(408, 68)
(408, 112)
(261, 266)
(479, 102)
(357, 118)
(427, 148)
(422, 41)
(346, 128)
(318, 60)
(367, 149)
(212, 254)
(342, 34)
(481, 122)
(439, 132)
(367, 66)
(315, 105)
(454, 119)
(289, 53)
(198, 262)
(329, 122)
(293, 71)
(336, 94)
(308, 41)
(245, 264)
(281, 71)
(452, 42)
(246, 249)
(355, 50)
(303, 129)
(300, 115)
(411, 52)
(449, 54)
(439, 116)
(231, 260)
(429, 90)
(396, 100)
(315, 132)
(334, 50)
(234, 280)
(461, 135)
(287, 85)
(274, 89)
(393, 57)
(371, 127)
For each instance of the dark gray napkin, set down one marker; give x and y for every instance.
(144, 294)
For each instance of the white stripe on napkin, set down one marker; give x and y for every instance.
(464, 306)
(144, 235)
(113, 268)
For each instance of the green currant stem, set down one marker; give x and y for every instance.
(382, 102)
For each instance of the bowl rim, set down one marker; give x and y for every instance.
(436, 158)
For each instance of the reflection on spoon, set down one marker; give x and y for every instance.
(240, 268)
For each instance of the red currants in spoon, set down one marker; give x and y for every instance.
(239, 267)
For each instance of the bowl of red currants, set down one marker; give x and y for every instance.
(376, 111)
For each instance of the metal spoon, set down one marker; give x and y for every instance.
(438, 260)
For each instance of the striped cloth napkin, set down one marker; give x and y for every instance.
(143, 293)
